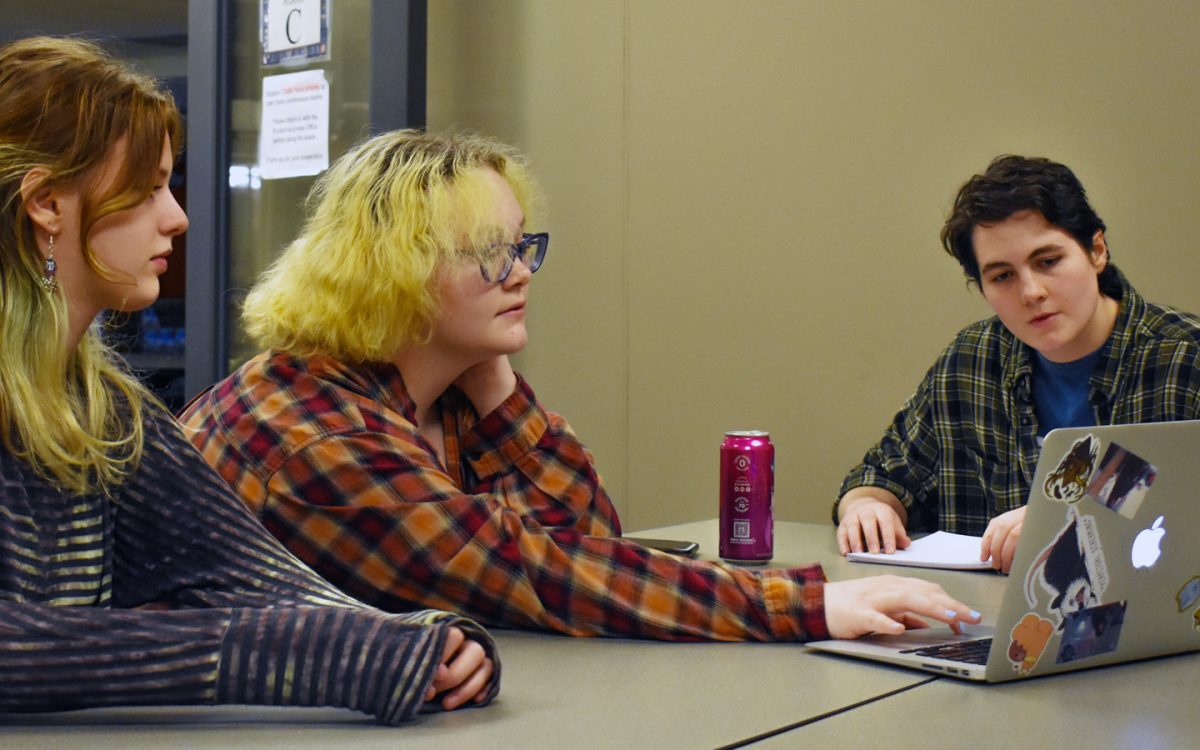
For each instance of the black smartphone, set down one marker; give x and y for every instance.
(674, 546)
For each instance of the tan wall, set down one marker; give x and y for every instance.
(745, 201)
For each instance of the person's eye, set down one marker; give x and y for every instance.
(493, 257)
(1050, 261)
(999, 278)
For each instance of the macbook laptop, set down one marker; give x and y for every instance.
(1107, 568)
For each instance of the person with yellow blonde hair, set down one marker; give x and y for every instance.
(384, 437)
(129, 574)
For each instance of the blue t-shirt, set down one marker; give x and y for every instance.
(1060, 392)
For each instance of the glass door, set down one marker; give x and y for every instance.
(375, 72)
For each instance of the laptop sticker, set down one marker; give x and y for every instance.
(1123, 480)
(1070, 571)
(1189, 594)
(1187, 598)
(1091, 632)
(1069, 481)
(1029, 639)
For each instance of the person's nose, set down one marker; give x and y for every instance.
(176, 220)
(519, 275)
(1033, 290)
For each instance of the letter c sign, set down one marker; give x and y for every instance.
(293, 37)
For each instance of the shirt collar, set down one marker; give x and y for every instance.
(375, 381)
(1121, 340)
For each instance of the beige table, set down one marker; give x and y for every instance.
(563, 692)
(1148, 705)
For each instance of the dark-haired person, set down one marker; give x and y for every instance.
(1072, 344)
(129, 573)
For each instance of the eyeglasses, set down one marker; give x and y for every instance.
(531, 249)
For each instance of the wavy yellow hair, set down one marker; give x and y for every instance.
(357, 284)
(74, 416)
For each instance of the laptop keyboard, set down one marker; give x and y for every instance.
(968, 652)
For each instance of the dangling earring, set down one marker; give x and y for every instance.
(48, 281)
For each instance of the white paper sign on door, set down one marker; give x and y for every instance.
(294, 133)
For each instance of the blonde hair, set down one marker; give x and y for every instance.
(357, 284)
(74, 416)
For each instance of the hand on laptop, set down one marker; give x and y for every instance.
(1000, 539)
(890, 604)
(872, 520)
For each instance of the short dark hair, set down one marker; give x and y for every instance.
(1012, 184)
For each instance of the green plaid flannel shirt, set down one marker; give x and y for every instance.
(963, 448)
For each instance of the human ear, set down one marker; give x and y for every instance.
(1099, 253)
(41, 200)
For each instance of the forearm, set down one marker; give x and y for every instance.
(531, 459)
(61, 658)
(614, 587)
(899, 470)
(902, 466)
(356, 659)
(503, 569)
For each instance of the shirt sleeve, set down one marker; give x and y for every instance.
(904, 461)
(517, 531)
(62, 658)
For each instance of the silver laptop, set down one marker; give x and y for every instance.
(1107, 568)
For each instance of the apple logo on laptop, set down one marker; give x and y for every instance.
(1147, 545)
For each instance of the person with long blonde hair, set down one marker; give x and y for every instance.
(129, 574)
(385, 438)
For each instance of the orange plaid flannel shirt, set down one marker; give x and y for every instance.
(516, 530)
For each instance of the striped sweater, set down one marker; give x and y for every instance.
(168, 592)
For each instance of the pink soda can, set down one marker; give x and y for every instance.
(747, 497)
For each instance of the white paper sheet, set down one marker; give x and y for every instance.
(940, 549)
